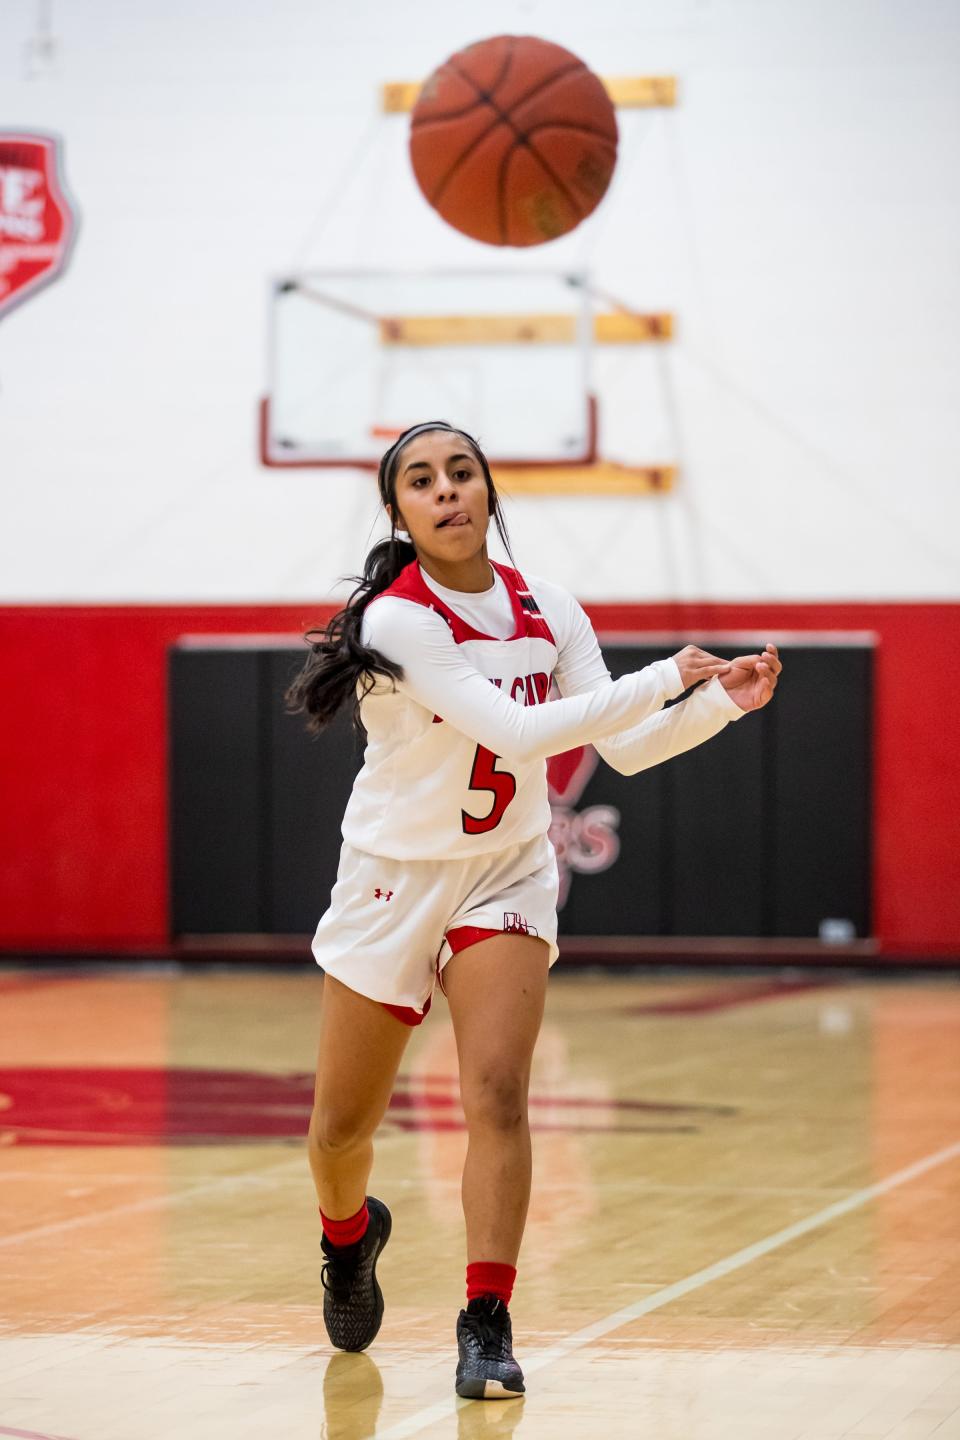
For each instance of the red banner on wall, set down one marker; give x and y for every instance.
(37, 219)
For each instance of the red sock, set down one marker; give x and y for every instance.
(489, 1277)
(349, 1231)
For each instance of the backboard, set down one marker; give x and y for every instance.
(357, 357)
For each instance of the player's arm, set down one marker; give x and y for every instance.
(438, 677)
(699, 717)
(658, 737)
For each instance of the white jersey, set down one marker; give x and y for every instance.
(455, 761)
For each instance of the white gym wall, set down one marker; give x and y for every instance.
(799, 212)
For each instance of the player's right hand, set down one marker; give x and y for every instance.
(695, 664)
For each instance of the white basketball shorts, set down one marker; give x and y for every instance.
(385, 933)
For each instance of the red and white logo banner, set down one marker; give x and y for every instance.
(585, 841)
(37, 219)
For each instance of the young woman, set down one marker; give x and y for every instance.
(446, 872)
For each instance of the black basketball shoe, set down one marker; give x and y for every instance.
(487, 1369)
(353, 1301)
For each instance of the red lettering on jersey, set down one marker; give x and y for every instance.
(517, 688)
(538, 688)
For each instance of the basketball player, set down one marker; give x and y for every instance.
(446, 872)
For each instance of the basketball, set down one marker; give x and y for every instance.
(513, 140)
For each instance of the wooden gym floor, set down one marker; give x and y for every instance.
(745, 1222)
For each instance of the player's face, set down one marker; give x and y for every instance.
(442, 497)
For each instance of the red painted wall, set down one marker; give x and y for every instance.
(83, 750)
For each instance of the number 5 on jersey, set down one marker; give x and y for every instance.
(500, 783)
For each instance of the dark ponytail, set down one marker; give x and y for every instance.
(339, 664)
(338, 661)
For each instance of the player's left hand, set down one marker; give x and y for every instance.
(752, 679)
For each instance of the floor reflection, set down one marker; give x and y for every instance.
(352, 1397)
(491, 1418)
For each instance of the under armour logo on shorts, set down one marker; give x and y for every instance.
(379, 894)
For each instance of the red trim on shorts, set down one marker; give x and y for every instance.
(461, 939)
(466, 935)
(406, 1013)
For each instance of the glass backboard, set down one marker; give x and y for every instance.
(357, 357)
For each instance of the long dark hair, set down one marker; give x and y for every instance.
(340, 667)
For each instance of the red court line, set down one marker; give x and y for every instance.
(728, 998)
(30, 1434)
(13, 984)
